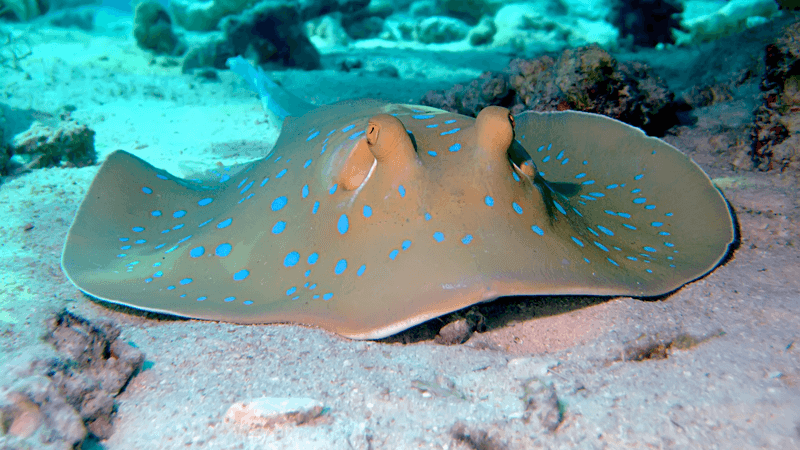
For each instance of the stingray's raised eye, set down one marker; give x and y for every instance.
(373, 130)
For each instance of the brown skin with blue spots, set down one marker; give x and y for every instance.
(368, 218)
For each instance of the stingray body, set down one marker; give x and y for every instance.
(368, 218)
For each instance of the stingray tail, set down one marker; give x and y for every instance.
(274, 99)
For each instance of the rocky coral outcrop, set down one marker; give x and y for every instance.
(776, 128)
(584, 79)
(60, 399)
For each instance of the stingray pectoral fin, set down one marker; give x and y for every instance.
(645, 218)
(135, 224)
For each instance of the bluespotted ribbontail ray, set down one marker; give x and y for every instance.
(368, 218)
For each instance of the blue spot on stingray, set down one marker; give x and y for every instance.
(140, 241)
(327, 296)
(281, 173)
(304, 191)
(592, 231)
(155, 213)
(185, 281)
(348, 128)
(489, 201)
(333, 189)
(341, 266)
(649, 249)
(307, 163)
(566, 160)
(639, 200)
(279, 203)
(315, 208)
(241, 275)
(223, 250)
(427, 217)
(291, 259)
(158, 247)
(205, 223)
(601, 246)
(649, 270)
(454, 147)
(638, 177)
(560, 154)
(247, 302)
(605, 230)
(612, 186)
(200, 299)
(577, 241)
(406, 244)
(664, 233)
(597, 194)
(625, 215)
(560, 208)
(610, 213)
(517, 208)
(184, 239)
(393, 254)
(312, 258)
(361, 270)
(632, 258)
(137, 229)
(402, 190)
(205, 201)
(580, 175)
(224, 178)
(178, 226)
(433, 125)
(668, 214)
(125, 247)
(148, 280)
(161, 177)
(669, 244)
(367, 211)
(450, 121)
(249, 185)
(546, 158)
(225, 223)
(454, 130)
(423, 116)
(147, 190)
(537, 230)
(242, 182)
(588, 182)
(307, 274)
(179, 214)
(516, 177)
(650, 207)
(312, 287)
(629, 226)
(279, 227)
(431, 152)
(438, 236)
(197, 252)
(612, 262)
(636, 191)
(343, 224)
(355, 136)
(264, 182)
(228, 299)
(315, 134)
(656, 224)
(466, 239)
(124, 239)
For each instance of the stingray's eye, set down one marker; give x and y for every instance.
(373, 130)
